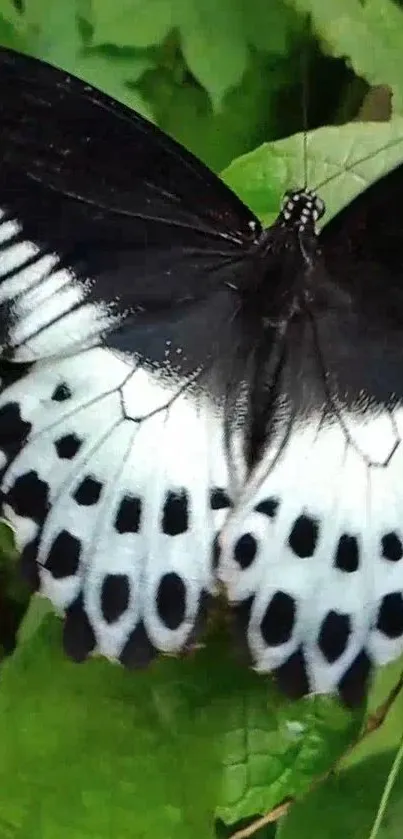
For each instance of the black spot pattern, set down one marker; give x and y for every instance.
(347, 554)
(13, 431)
(171, 600)
(128, 516)
(268, 507)
(219, 499)
(245, 550)
(68, 446)
(175, 513)
(292, 676)
(88, 492)
(278, 620)
(334, 635)
(390, 615)
(11, 372)
(304, 536)
(61, 393)
(29, 497)
(115, 595)
(138, 651)
(353, 686)
(64, 556)
(392, 548)
(78, 634)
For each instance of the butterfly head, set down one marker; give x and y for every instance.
(301, 208)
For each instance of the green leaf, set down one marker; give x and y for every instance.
(211, 35)
(259, 178)
(155, 753)
(387, 736)
(9, 13)
(51, 31)
(129, 23)
(38, 609)
(214, 44)
(346, 805)
(7, 541)
(280, 756)
(11, 34)
(341, 162)
(270, 26)
(369, 35)
(247, 115)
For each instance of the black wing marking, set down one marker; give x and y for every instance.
(80, 142)
(105, 219)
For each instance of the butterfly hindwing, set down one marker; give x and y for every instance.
(114, 511)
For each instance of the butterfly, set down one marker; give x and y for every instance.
(193, 404)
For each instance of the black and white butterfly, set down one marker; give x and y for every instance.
(190, 403)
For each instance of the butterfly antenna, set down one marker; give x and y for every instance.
(305, 153)
(305, 103)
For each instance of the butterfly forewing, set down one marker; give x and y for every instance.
(81, 143)
(105, 220)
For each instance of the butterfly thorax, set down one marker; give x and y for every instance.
(301, 209)
(297, 225)
(286, 254)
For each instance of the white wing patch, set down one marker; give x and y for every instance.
(317, 552)
(39, 293)
(113, 490)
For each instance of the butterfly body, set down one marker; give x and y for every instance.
(191, 403)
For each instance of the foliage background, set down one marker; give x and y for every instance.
(194, 748)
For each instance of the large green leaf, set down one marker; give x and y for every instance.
(341, 162)
(94, 750)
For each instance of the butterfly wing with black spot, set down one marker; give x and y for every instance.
(313, 555)
(119, 330)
